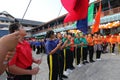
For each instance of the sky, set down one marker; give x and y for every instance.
(39, 10)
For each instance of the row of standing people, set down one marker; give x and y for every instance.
(63, 50)
(75, 48)
(38, 45)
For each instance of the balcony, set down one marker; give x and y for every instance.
(112, 11)
(53, 27)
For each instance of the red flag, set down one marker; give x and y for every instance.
(78, 9)
(68, 5)
(97, 20)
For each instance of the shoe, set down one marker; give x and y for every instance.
(92, 61)
(98, 59)
(72, 68)
(64, 76)
(86, 62)
(69, 70)
(113, 54)
(106, 52)
(79, 65)
(66, 73)
(60, 79)
(83, 63)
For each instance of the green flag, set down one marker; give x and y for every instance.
(90, 12)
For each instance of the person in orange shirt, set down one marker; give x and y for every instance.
(95, 38)
(90, 47)
(118, 41)
(108, 39)
(112, 43)
(98, 45)
(105, 44)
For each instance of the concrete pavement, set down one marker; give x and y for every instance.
(106, 69)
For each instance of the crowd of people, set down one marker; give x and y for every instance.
(62, 51)
(37, 44)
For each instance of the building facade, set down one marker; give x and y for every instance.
(27, 24)
(110, 14)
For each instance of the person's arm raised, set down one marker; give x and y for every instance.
(7, 43)
(55, 49)
(64, 45)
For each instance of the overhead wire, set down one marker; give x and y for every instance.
(26, 9)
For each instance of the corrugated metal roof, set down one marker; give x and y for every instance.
(25, 22)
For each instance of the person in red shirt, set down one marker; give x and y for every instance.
(20, 65)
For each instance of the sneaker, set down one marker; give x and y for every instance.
(69, 70)
(98, 59)
(64, 76)
(79, 65)
(113, 54)
(66, 73)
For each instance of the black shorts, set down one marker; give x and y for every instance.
(20, 77)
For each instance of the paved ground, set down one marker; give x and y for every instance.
(106, 69)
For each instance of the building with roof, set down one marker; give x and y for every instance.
(28, 25)
(110, 13)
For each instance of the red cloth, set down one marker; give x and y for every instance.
(72, 45)
(97, 21)
(78, 9)
(23, 55)
(68, 4)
